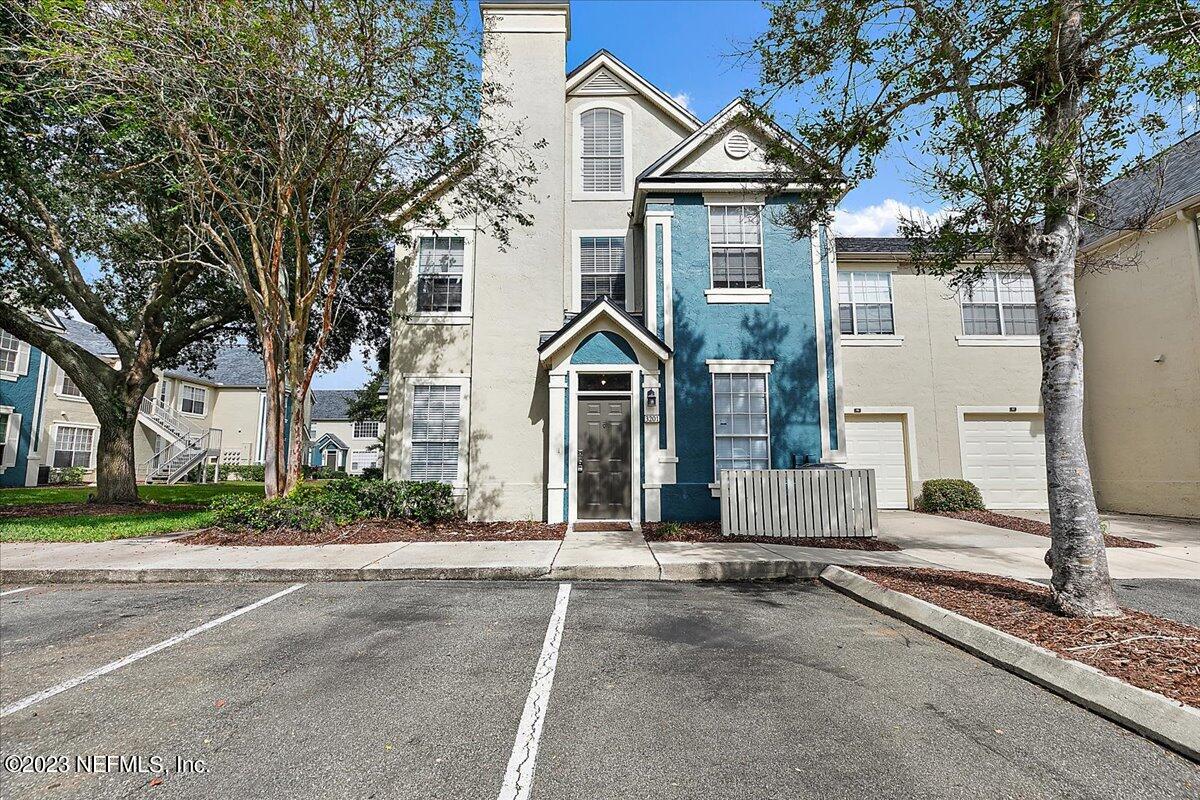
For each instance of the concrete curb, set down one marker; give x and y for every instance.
(1156, 717)
(733, 570)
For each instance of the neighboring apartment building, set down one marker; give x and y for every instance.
(339, 442)
(657, 324)
(1141, 334)
(186, 417)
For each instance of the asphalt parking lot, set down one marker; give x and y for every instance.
(423, 690)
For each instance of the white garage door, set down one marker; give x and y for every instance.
(876, 441)
(1005, 456)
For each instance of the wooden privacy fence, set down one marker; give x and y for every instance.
(799, 502)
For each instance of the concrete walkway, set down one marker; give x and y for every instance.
(926, 541)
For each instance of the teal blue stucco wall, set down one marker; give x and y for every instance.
(22, 395)
(783, 329)
(604, 347)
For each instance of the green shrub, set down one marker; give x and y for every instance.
(426, 501)
(295, 511)
(337, 502)
(949, 494)
(243, 472)
(372, 473)
(67, 476)
(323, 473)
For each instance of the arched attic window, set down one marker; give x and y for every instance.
(603, 155)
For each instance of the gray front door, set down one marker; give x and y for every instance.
(603, 458)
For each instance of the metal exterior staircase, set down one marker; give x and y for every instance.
(186, 444)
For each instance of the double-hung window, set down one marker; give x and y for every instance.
(192, 399)
(602, 268)
(366, 429)
(735, 236)
(740, 428)
(364, 459)
(73, 447)
(10, 352)
(435, 432)
(1000, 304)
(865, 303)
(69, 389)
(602, 159)
(440, 263)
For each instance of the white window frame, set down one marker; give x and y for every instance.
(721, 366)
(60, 388)
(577, 237)
(626, 112)
(56, 428)
(850, 274)
(757, 294)
(413, 254)
(20, 363)
(183, 390)
(376, 455)
(1002, 339)
(354, 428)
(464, 415)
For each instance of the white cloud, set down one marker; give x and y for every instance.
(880, 219)
(684, 99)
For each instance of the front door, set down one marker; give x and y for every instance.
(603, 460)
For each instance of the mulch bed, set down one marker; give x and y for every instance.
(1147, 651)
(35, 510)
(1036, 527)
(710, 531)
(594, 527)
(375, 531)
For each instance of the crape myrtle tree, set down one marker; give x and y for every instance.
(300, 123)
(82, 187)
(1019, 109)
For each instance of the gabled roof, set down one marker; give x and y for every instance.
(87, 336)
(738, 110)
(604, 60)
(1163, 184)
(332, 405)
(236, 366)
(330, 438)
(598, 308)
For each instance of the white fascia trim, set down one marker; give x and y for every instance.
(866, 267)
(748, 184)
(756, 365)
(625, 109)
(577, 237)
(582, 322)
(737, 295)
(997, 341)
(909, 413)
(461, 317)
(870, 340)
(734, 198)
(656, 96)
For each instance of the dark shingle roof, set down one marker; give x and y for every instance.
(332, 404)
(872, 244)
(235, 366)
(87, 336)
(1164, 181)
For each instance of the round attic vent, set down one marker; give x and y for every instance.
(737, 145)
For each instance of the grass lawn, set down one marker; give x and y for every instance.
(101, 527)
(159, 493)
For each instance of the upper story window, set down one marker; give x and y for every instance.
(735, 236)
(192, 399)
(602, 157)
(1000, 304)
(69, 388)
(10, 352)
(440, 266)
(602, 269)
(865, 303)
(366, 429)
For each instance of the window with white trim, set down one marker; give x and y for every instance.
(735, 236)
(740, 428)
(10, 352)
(192, 399)
(3, 435)
(440, 264)
(602, 159)
(366, 429)
(69, 389)
(434, 436)
(1000, 304)
(364, 459)
(73, 447)
(865, 303)
(602, 268)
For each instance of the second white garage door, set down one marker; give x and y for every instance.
(1005, 456)
(876, 441)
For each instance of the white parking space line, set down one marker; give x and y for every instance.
(32, 699)
(518, 780)
(14, 591)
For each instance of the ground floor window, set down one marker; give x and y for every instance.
(73, 447)
(365, 459)
(740, 427)
(434, 437)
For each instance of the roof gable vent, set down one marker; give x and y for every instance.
(603, 82)
(737, 145)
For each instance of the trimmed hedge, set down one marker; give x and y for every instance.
(339, 502)
(949, 494)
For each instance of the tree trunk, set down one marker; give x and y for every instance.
(1080, 580)
(274, 462)
(296, 438)
(116, 470)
